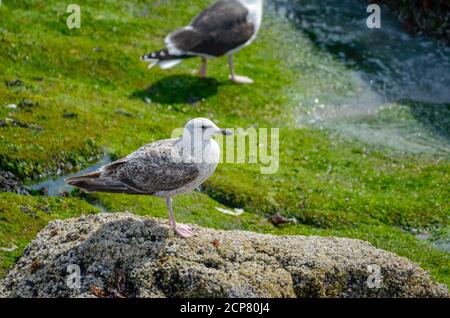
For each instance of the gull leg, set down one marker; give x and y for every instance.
(237, 78)
(182, 230)
(204, 63)
(171, 216)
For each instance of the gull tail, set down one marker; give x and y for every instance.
(163, 58)
(92, 182)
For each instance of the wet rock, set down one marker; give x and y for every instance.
(9, 183)
(26, 103)
(429, 17)
(123, 113)
(43, 191)
(27, 210)
(70, 115)
(123, 255)
(18, 123)
(278, 220)
(15, 83)
(65, 194)
(44, 209)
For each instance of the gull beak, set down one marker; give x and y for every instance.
(226, 132)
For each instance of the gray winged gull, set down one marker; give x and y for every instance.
(163, 168)
(224, 28)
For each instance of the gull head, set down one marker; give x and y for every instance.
(203, 128)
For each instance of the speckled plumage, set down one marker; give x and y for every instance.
(152, 169)
(163, 168)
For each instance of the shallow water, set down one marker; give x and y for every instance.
(394, 63)
(403, 77)
(442, 244)
(57, 186)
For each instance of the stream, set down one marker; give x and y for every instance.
(402, 98)
(57, 186)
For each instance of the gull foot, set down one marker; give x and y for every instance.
(183, 230)
(241, 79)
(199, 74)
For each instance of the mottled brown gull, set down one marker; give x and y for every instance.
(163, 168)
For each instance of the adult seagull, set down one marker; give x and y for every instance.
(224, 28)
(163, 168)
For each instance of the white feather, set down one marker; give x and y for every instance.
(173, 50)
(153, 62)
(255, 8)
(169, 64)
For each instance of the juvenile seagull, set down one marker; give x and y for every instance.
(224, 28)
(163, 168)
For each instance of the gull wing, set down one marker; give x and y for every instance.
(153, 168)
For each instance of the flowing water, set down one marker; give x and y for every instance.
(402, 98)
(57, 186)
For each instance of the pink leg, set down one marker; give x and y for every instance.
(237, 78)
(202, 72)
(182, 230)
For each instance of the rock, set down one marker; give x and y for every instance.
(43, 191)
(123, 113)
(15, 83)
(123, 255)
(70, 115)
(278, 220)
(429, 17)
(24, 103)
(10, 183)
(17, 123)
(27, 210)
